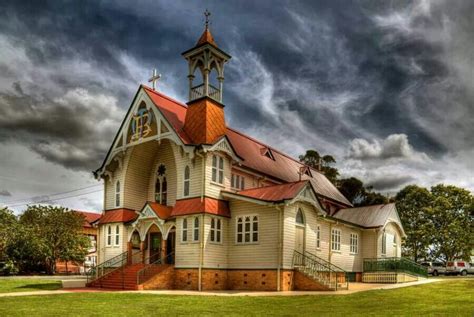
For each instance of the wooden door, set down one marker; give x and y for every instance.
(170, 247)
(155, 246)
(299, 239)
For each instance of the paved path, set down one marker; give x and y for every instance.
(353, 288)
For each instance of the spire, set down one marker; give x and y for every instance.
(206, 36)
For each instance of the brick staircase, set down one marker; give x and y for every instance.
(113, 280)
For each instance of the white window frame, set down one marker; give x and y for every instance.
(253, 220)
(318, 237)
(118, 187)
(186, 181)
(354, 243)
(215, 234)
(108, 233)
(217, 169)
(237, 182)
(184, 230)
(117, 236)
(336, 240)
(384, 244)
(196, 229)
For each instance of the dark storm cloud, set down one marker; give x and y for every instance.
(390, 182)
(5, 193)
(329, 75)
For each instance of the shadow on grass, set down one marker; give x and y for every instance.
(41, 286)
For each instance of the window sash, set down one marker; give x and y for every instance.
(247, 230)
(117, 194)
(196, 229)
(336, 240)
(354, 242)
(384, 243)
(186, 181)
(318, 237)
(184, 231)
(117, 235)
(109, 235)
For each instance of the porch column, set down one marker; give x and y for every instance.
(129, 255)
(163, 251)
(142, 250)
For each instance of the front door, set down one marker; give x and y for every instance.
(170, 246)
(299, 239)
(155, 246)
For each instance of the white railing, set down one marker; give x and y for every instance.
(198, 92)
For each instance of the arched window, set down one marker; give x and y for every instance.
(161, 186)
(117, 194)
(186, 181)
(299, 217)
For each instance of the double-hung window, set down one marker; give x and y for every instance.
(247, 229)
(237, 181)
(218, 169)
(186, 181)
(184, 231)
(117, 194)
(384, 243)
(216, 230)
(196, 229)
(117, 235)
(109, 235)
(336, 240)
(354, 243)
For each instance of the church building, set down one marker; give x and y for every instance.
(191, 203)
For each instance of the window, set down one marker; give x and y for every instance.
(109, 235)
(336, 240)
(237, 181)
(247, 229)
(384, 243)
(161, 186)
(299, 217)
(117, 235)
(354, 243)
(217, 169)
(196, 229)
(318, 237)
(184, 231)
(186, 181)
(215, 230)
(117, 194)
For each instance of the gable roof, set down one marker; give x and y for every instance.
(163, 212)
(281, 168)
(369, 216)
(118, 215)
(274, 193)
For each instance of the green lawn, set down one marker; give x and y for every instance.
(26, 285)
(447, 298)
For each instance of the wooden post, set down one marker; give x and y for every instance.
(163, 251)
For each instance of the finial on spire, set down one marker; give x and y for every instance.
(207, 14)
(154, 78)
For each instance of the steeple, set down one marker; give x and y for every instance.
(205, 120)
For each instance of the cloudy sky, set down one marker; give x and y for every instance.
(387, 87)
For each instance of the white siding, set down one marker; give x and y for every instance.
(187, 253)
(215, 254)
(107, 252)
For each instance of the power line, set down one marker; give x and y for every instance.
(60, 198)
(49, 195)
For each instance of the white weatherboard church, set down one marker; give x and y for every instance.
(191, 203)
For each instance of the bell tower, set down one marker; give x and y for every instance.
(205, 120)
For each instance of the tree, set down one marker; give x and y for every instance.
(413, 205)
(55, 234)
(324, 164)
(451, 214)
(352, 188)
(8, 224)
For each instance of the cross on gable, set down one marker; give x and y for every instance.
(154, 78)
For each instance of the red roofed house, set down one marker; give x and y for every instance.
(90, 230)
(217, 209)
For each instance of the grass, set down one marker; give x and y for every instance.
(26, 285)
(453, 298)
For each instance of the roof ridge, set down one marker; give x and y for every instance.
(164, 96)
(283, 184)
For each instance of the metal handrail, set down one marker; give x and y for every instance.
(108, 266)
(319, 269)
(394, 264)
(335, 267)
(142, 275)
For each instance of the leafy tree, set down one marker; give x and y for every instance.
(324, 163)
(451, 214)
(370, 197)
(56, 234)
(8, 224)
(413, 205)
(352, 188)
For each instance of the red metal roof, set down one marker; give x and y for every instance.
(282, 167)
(274, 193)
(196, 206)
(164, 212)
(89, 217)
(206, 37)
(118, 215)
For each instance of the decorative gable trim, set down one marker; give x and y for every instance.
(223, 145)
(308, 195)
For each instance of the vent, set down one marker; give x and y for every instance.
(267, 152)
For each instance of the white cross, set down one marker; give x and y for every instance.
(154, 78)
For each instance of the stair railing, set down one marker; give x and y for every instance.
(108, 266)
(147, 272)
(321, 270)
(394, 264)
